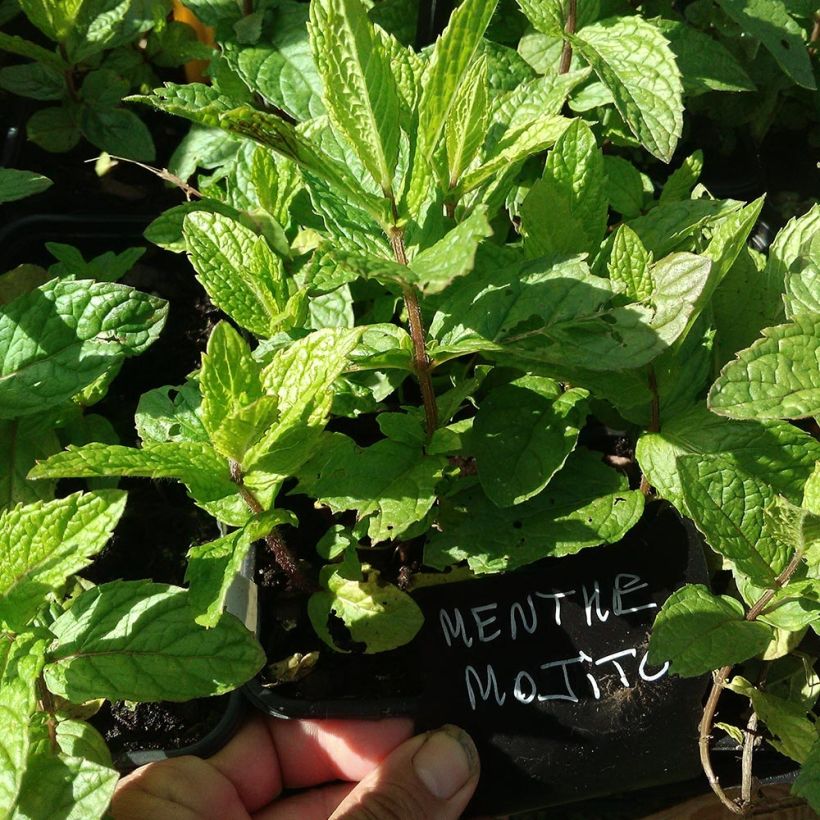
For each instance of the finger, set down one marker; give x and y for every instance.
(432, 775)
(182, 788)
(315, 804)
(270, 754)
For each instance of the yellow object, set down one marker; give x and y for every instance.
(195, 69)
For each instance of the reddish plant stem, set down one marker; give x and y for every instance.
(273, 540)
(421, 361)
(705, 729)
(47, 705)
(569, 28)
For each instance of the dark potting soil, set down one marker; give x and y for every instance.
(157, 725)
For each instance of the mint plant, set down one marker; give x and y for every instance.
(64, 644)
(102, 51)
(422, 312)
(764, 522)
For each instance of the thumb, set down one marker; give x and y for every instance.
(431, 775)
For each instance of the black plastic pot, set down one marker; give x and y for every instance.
(532, 676)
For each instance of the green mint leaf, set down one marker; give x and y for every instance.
(194, 463)
(790, 243)
(522, 436)
(453, 256)
(54, 129)
(547, 17)
(16, 184)
(811, 492)
(566, 210)
(65, 786)
(25, 48)
(90, 327)
(727, 507)
(466, 124)
(626, 187)
(212, 567)
(55, 21)
(777, 377)
(680, 374)
(238, 269)
(103, 88)
(675, 226)
(377, 614)
(770, 22)
(807, 784)
(106, 25)
(778, 453)
(743, 304)
(156, 653)
(794, 527)
(300, 379)
(166, 229)
(633, 59)
(556, 312)
(727, 241)
(403, 427)
(107, 267)
(390, 483)
(45, 542)
(382, 346)
(119, 132)
(803, 291)
(360, 91)
(235, 410)
(794, 733)
(77, 738)
(629, 265)
(283, 138)
(336, 541)
(528, 102)
(161, 417)
(196, 102)
(586, 504)
(705, 65)
(683, 179)
(517, 144)
(450, 59)
(21, 661)
(280, 66)
(22, 442)
(696, 632)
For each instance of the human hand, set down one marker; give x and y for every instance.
(384, 775)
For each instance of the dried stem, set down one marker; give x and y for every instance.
(748, 754)
(569, 28)
(421, 361)
(273, 540)
(162, 173)
(709, 710)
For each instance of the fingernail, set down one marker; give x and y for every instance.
(446, 761)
